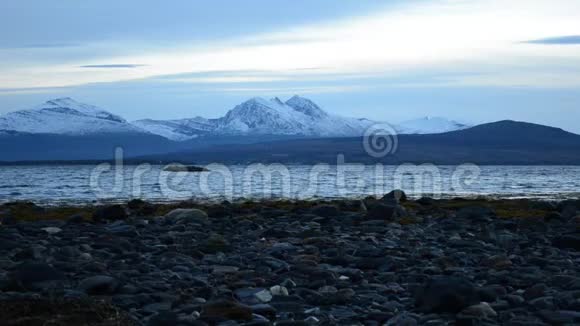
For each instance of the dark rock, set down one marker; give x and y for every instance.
(397, 196)
(560, 317)
(30, 274)
(326, 210)
(30, 312)
(184, 168)
(136, 203)
(570, 241)
(535, 291)
(426, 201)
(187, 216)
(110, 213)
(140, 207)
(446, 294)
(99, 285)
(76, 219)
(226, 310)
(476, 213)
(382, 211)
(214, 244)
(164, 318)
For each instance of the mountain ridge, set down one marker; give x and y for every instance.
(298, 116)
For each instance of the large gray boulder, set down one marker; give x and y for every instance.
(187, 216)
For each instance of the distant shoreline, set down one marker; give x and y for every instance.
(162, 163)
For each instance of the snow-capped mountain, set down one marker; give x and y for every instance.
(298, 116)
(178, 130)
(429, 125)
(65, 116)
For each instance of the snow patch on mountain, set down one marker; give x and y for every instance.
(177, 130)
(430, 125)
(297, 116)
(65, 116)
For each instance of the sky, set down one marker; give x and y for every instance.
(473, 61)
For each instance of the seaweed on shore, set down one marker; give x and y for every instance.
(53, 312)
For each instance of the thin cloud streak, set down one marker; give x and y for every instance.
(560, 40)
(114, 66)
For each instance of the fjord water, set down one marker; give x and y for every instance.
(81, 184)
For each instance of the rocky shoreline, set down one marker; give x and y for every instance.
(377, 261)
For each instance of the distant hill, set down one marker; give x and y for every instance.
(503, 142)
(35, 147)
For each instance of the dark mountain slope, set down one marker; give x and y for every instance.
(503, 142)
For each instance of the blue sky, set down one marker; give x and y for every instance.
(474, 61)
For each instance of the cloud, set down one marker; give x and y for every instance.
(41, 46)
(114, 66)
(414, 37)
(559, 40)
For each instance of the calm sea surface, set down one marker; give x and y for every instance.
(80, 184)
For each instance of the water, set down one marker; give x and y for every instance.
(80, 184)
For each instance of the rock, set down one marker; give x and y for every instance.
(226, 310)
(164, 318)
(187, 216)
(482, 310)
(570, 241)
(140, 207)
(402, 319)
(214, 244)
(397, 196)
(498, 262)
(553, 216)
(76, 219)
(110, 213)
(52, 230)
(279, 290)
(58, 311)
(491, 293)
(32, 274)
(99, 285)
(382, 211)
(426, 201)
(561, 317)
(122, 229)
(536, 291)
(325, 210)
(446, 294)
(476, 213)
(543, 303)
(184, 168)
(253, 296)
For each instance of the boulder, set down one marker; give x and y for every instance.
(446, 294)
(187, 216)
(384, 211)
(99, 285)
(110, 213)
(397, 196)
(568, 241)
(476, 213)
(325, 210)
(30, 275)
(220, 310)
(482, 310)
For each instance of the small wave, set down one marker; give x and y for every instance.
(15, 186)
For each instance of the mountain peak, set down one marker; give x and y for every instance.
(306, 106)
(64, 116)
